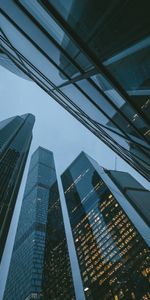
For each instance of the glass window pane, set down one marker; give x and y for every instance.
(119, 102)
(132, 70)
(104, 25)
(57, 33)
(119, 37)
(97, 97)
(108, 89)
(32, 54)
(44, 18)
(79, 99)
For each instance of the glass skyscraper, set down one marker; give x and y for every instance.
(109, 216)
(93, 58)
(15, 140)
(40, 265)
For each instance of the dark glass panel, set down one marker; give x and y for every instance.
(118, 35)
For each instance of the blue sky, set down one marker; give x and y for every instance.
(56, 130)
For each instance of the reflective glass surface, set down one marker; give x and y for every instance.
(40, 262)
(15, 139)
(95, 66)
(113, 257)
(57, 278)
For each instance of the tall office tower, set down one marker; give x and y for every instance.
(93, 58)
(40, 265)
(15, 140)
(109, 216)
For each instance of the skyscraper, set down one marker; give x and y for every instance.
(91, 60)
(109, 216)
(40, 265)
(15, 140)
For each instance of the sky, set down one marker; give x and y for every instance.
(54, 129)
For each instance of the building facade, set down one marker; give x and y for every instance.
(15, 140)
(109, 216)
(40, 265)
(91, 61)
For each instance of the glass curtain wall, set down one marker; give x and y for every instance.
(15, 140)
(91, 61)
(111, 239)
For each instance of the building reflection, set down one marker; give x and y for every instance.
(92, 62)
(113, 256)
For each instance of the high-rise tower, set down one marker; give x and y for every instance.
(40, 265)
(15, 140)
(109, 216)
